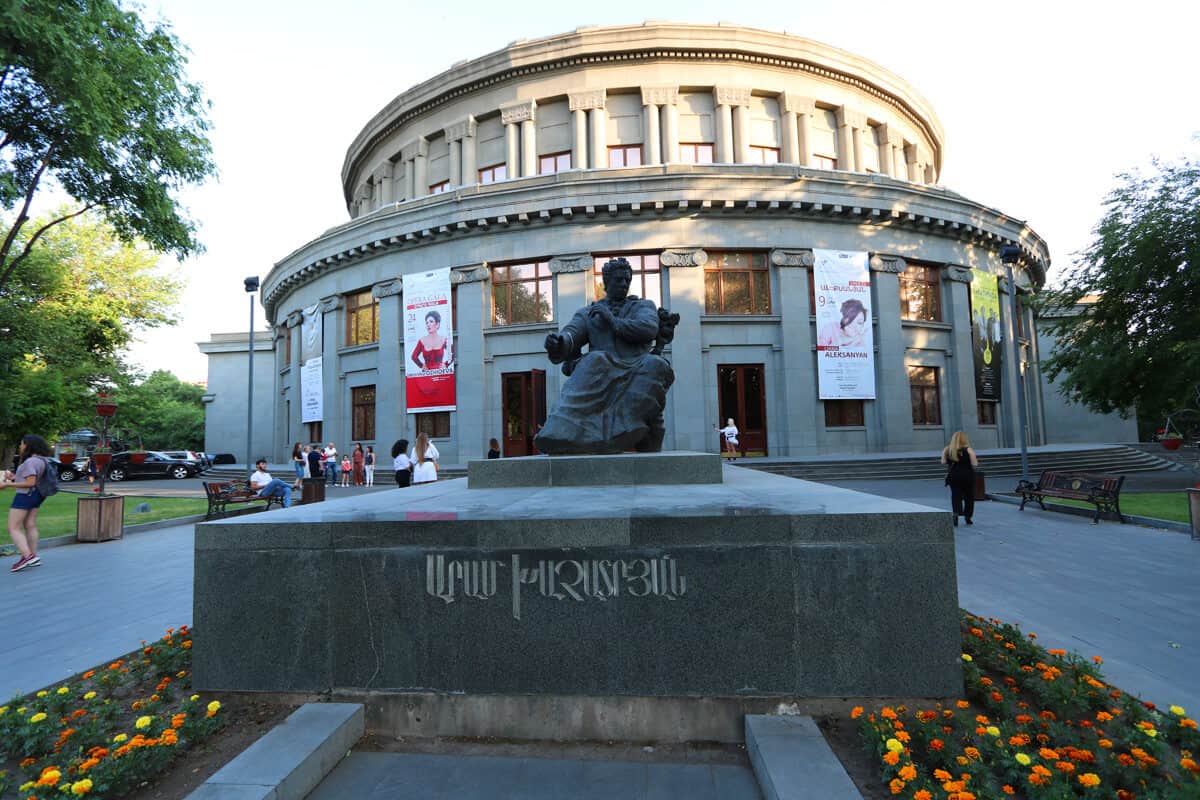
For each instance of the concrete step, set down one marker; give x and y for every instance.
(792, 760)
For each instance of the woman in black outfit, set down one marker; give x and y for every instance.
(961, 459)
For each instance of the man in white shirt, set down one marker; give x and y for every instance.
(267, 486)
(329, 461)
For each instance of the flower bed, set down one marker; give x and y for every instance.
(1035, 723)
(110, 730)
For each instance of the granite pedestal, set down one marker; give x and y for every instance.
(666, 603)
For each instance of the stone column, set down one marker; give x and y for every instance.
(899, 164)
(469, 428)
(733, 141)
(847, 121)
(334, 422)
(408, 154)
(661, 125)
(799, 379)
(581, 105)
(295, 429)
(789, 124)
(856, 139)
(891, 429)
(960, 363)
(670, 128)
(521, 114)
(420, 168)
(723, 125)
(461, 138)
(689, 420)
(887, 164)
(597, 119)
(512, 150)
(470, 164)
(650, 135)
(390, 423)
(387, 190)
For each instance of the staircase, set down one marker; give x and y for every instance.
(1117, 459)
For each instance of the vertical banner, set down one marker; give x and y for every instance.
(845, 342)
(428, 342)
(985, 331)
(312, 390)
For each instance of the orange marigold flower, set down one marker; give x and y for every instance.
(1105, 743)
(1038, 780)
(1040, 770)
(903, 736)
(1064, 766)
(891, 757)
(922, 794)
(29, 762)
(856, 712)
(1024, 719)
(948, 714)
(1190, 765)
(982, 719)
(1057, 652)
(1008, 789)
(985, 681)
(1089, 779)
(1048, 754)
(896, 785)
(1187, 722)
(89, 674)
(908, 772)
(942, 775)
(1125, 794)
(972, 753)
(977, 633)
(187, 645)
(887, 713)
(936, 744)
(926, 716)
(997, 696)
(1019, 740)
(1098, 659)
(1033, 636)
(1047, 714)
(962, 761)
(963, 704)
(947, 729)
(1125, 759)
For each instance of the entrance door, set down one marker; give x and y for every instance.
(743, 397)
(524, 410)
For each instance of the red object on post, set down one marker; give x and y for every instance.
(102, 459)
(104, 406)
(66, 458)
(138, 458)
(1171, 444)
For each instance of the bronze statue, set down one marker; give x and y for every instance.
(615, 392)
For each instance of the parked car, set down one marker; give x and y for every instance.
(156, 465)
(76, 470)
(199, 459)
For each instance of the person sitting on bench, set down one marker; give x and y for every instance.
(266, 486)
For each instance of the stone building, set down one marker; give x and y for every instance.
(715, 158)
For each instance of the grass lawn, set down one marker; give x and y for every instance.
(57, 515)
(1159, 505)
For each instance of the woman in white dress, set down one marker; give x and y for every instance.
(730, 432)
(424, 459)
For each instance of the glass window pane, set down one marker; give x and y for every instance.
(712, 293)
(545, 300)
(616, 157)
(704, 154)
(563, 162)
(500, 315)
(762, 293)
(735, 290)
(652, 287)
(687, 153)
(752, 396)
(522, 271)
(633, 157)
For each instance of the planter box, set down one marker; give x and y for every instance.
(1171, 444)
(100, 519)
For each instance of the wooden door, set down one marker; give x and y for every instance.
(743, 397)
(524, 410)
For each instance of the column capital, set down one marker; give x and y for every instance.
(460, 130)
(884, 262)
(387, 288)
(890, 134)
(518, 112)
(294, 319)
(660, 95)
(731, 96)
(586, 100)
(573, 262)
(417, 147)
(957, 273)
(683, 257)
(331, 303)
(787, 257)
(384, 172)
(853, 119)
(801, 104)
(471, 274)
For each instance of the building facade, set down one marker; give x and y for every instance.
(716, 159)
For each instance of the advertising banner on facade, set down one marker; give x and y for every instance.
(428, 342)
(312, 390)
(985, 331)
(845, 342)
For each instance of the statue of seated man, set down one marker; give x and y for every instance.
(614, 396)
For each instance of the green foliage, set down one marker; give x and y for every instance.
(96, 102)
(1138, 344)
(164, 411)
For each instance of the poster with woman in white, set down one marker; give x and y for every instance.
(845, 343)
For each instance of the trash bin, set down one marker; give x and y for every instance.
(312, 490)
(980, 487)
(1193, 496)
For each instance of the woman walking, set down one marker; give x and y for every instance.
(360, 461)
(298, 463)
(369, 465)
(424, 460)
(402, 463)
(22, 517)
(960, 476)
(730, 433)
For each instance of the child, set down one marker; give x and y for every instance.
(347, 468)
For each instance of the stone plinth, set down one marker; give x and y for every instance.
(757, 587)
(630, 469)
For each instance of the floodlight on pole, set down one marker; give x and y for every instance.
(251, 285)
(1010, 254)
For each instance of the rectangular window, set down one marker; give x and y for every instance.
(920, 294)
(843, 413)
(362, 318)
(987, 412)
(522, 294)
(737, 283)
(923, 389)
(494, 173)
(625, 155)
(314, 433)
(696, 152)
(824, 162)
(435, 425)
(286, 335)
(438, 188)
(647, 275)
(764, 155)
(554, 162)
(1020, 320)
(362, 404)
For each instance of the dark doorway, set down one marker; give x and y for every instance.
(743, 397)
(524, 410)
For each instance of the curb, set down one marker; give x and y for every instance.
(292, 758)
(792, 760)
(1149, 522)
(69, 538)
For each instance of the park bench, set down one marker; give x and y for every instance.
(1102, 491)
(223, 494)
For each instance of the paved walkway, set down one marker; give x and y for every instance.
(1123, 592)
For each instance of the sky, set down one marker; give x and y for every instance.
(1042, 104)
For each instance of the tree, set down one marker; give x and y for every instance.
(1135, 342)
(94, 101)
(165, 412)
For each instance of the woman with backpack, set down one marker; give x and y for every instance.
(962, 462)
(33, 473)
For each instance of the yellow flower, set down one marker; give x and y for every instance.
(81, 787)
(38, 717)
(25, 787)
(195, 697)
(214, 706)
(142, 723)
(894, 745)
(993, 730)
(3, 710)
(1023, 759)
(42, 693)
(21, 710)
(967, 657)
(63, 690)
(120, 737)
(89, 695)
(1150, 732)
(1177, 711)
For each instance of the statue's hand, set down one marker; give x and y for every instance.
(600, 311)
(556, 348)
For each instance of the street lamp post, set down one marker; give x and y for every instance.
(251, 285)
(1009, 255)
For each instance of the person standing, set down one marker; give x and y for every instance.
(330, 460)
(314, 461)
(369, 465)
(960, 476)
(298, 464)
(347, 468)
(493, 448)
(359, 461)
(266, 486)
(730, 432)
(22, 516)
(401, 463)
(424, 459)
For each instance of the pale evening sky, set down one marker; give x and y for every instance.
(1041, 102)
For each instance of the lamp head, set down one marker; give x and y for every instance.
(251, 283)
(1009, 253)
